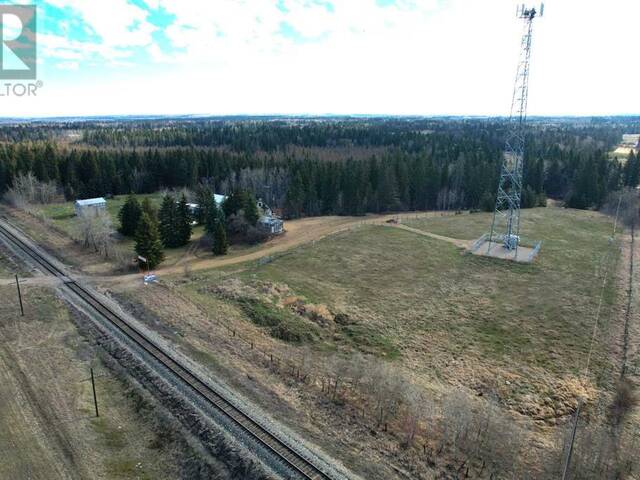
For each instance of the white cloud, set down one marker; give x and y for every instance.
(53, 47)
(112, 20)
(68, 65)
(425, 57)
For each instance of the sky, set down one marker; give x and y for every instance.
(378, 57)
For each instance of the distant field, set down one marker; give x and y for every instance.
(629, 142)
(450, 315)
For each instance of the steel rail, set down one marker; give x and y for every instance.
(290, 458)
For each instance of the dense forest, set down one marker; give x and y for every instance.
(324, 166)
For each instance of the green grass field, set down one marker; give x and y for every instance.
(429, 305)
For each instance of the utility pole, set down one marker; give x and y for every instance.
(19, 295)
(95, 398)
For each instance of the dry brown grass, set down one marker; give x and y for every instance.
(520, 332)
(47, 427)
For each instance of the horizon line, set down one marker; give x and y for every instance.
(196, 116)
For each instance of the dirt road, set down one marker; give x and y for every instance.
(455, 241)
(298, 232)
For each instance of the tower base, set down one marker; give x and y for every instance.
(497, 249)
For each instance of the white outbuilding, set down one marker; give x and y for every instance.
(220, 199)
(90, 205)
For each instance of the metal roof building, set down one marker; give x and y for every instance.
(90, 203)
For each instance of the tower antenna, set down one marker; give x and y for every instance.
(506, 216)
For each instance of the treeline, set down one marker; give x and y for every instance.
(255, 136)
(413, 164)
(409, 134)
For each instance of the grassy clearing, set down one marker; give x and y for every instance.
(421, 299)
(62, 214)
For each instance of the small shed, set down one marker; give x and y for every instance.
(90, 204)
(219, 199)
(271, 225)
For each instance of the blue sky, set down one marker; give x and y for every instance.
(424, 57)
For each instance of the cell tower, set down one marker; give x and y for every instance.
(506, 216)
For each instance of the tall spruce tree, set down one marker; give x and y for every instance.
(220, 242)
(149, 209)
(212, 215)
(148, 243)
(632, 171)
(250, 208)
(167, 222)
(183, 222)
(129, 216)
(204, 193)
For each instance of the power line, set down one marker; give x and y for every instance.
(608, 264)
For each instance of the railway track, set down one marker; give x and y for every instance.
(290, 458)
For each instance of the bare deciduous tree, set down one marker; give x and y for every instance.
(27, 189)
(625, 204)
(95, 230)
(416, 410)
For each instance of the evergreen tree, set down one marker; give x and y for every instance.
(148, 243)
(250, 208)
(129, 216)
(212, 214)
(487, 202)
(150, 210)
(453, 166)
(51, 162)
(167, 222)
(233, 204)
(632, 171)
(183, 222)
(241, 200)
(294, 200)
(220, 242)
(204, 193)
(585, 191)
